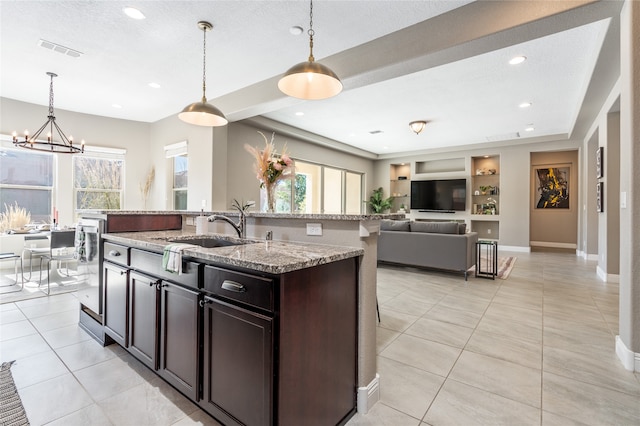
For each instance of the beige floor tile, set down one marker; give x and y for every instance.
(65, 336)
(91, 415)
(511, 313)
(384, 337)
(507, 348)
(108, 378)
(589, 404)
(52, 399)
(501, 377)
(11, 315)
(454, 316)
(382, 415)
(460, 404)
(441, 332)
(464, 303)
(394, 320)
(408, 304)
(551, 419)
(598, 369)
(198, 418)
(37, 368)
(147, 404)
(17, 329)
(21, 347)
(407, 389)
(84, 354)
(530, 332)
(426, 355)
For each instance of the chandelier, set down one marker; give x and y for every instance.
(64, 146)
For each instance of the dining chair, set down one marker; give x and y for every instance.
(61, 249)
(33, 251)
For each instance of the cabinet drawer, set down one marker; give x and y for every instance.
(248, 289)
(151, 263)
(116, 253)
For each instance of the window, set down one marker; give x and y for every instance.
(320, 189)
(97, 182)
(180, 180)
(26, 178)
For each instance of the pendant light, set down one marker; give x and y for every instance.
(310, 80)
(64, 146)
(203, 113)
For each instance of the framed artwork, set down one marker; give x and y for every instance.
(600, 162)
(600, 197)
(553, 187)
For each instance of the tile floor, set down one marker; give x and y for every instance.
(535, 349)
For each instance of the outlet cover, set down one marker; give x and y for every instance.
(314, 229)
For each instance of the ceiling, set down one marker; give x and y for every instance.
(445, 62)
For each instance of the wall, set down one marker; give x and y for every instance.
(96, 131)
(514, 182)
(555, 227)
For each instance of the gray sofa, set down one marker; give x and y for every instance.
(439, 245)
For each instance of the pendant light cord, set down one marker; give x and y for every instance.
(311, 33)
(204, 65)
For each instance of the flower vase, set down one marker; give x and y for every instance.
(271, 198)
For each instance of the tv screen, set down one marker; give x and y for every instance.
(439, 195)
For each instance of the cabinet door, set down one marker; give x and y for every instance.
(116, 302)
(179, 343)
(143, 318)
(238, 367)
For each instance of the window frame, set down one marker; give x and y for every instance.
(99, 153)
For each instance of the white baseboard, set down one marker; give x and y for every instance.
(629, 359)
(514, 248)
(368, 395)
(601, 274)
(586, 256)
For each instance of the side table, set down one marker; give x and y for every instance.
(486, 259)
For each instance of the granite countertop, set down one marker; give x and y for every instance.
(251, 213)
(275, 257)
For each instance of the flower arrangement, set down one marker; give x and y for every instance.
(270, 167)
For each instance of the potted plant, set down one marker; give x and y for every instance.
(378, 203)
(484, 189)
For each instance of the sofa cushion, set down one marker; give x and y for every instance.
(435, 227)
(462, 228)
(394, 225)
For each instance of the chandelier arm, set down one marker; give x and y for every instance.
(65, 139)
(34, 137)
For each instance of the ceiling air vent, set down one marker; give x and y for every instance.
(59, 48)
(375, 132)
(503, 137)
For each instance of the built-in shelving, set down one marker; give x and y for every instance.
(485, 196)
(400, 186)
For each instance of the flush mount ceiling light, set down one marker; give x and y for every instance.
(517, 60)
(64, 146)
(525, 105)
(417, 126)
(202, 113)
(133, 13)
(309, 79)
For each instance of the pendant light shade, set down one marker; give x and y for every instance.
(203, 113)
(310, 80)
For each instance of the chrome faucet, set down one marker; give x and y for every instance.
(241, 226)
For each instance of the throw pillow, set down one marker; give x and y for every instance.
(394, 225)
(435, 227)
(462, 228)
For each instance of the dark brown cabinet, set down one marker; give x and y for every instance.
(116, 302)
(143, 318)
(179, 342)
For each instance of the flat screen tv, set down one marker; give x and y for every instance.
(447, 195)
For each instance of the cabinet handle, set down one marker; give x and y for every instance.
(204, 302)
(156, 283)
(124, 271)
(114, 253)
(233, 286)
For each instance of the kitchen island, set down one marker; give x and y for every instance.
(255, 332)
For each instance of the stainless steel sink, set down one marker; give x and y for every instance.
(208, 242)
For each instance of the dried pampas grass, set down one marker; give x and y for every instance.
(14, 217)
(146, 186)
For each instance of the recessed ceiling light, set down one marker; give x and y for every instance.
(529, 128)
(118, 106)
(296, 30)
(517, 60)
(525, 105)
(154, 85)
(299, 113)
(133, 13)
